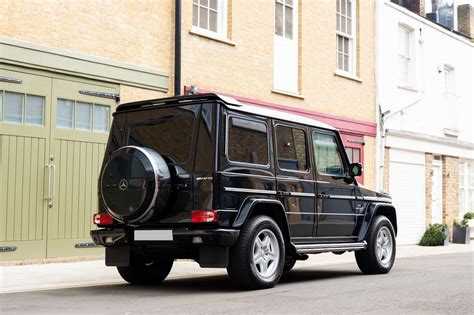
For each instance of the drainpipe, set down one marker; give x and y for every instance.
(378, 140)
(177, 47)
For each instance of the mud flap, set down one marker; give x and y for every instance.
(213, 257)
(117, 256)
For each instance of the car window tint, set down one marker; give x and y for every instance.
(327, 156)
(168, 131)
(291, 148)
(247, 141)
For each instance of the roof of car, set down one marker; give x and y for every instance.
(230, 103)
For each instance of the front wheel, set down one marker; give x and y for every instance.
(381, 248)
(146, 270)
(257, 259)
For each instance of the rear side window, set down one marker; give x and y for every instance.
(291, 148)
(327, 156)
(247, 141)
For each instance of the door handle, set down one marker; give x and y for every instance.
(48, 168)
(284, 193)
(51, 181)
(53, 176)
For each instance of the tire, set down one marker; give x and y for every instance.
(143, 271)
(257, 259)
(289, 264)
(379, 256)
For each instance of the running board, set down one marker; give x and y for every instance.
(335, 247)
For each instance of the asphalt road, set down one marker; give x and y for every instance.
(430, 284)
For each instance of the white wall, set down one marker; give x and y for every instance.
(434, 48)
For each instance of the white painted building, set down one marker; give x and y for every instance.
(425, 95)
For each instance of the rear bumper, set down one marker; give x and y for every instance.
(181, 237)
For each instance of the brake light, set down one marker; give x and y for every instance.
(204, 216)
(103, 219)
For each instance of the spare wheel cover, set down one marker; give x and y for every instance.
(132, 181)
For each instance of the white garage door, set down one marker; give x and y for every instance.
(407, 187)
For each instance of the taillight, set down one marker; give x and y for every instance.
(204, 216)
(103, 219)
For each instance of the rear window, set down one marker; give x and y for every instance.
(247, 141)
(168, 131)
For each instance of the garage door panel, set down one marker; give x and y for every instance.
(407, 189)
(78, 143)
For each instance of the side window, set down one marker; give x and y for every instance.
(327, 156)
(291, 148)
(247, 141)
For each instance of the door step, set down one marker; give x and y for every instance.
(334, 247)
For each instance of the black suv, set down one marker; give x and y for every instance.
(236, 186)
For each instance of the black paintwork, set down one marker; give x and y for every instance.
(310, 207)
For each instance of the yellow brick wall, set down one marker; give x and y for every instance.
(428, 187)
(130, 94)
(450, 189)
(136, 32)
(246, 69)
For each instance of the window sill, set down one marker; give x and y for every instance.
(288, 94)
(347, 75)
(407, 87)
(210, 35)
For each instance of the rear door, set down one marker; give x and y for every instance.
(295, 182)
(336, 207)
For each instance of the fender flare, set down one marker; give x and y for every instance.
(246, 211)
(372, 211)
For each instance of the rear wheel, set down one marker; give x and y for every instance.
(381, 248)
(146, 271)
(257, 259)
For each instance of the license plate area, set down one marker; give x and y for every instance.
(153, 235)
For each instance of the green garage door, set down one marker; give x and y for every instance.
(52, 138)
(79, 132)
(24, 147)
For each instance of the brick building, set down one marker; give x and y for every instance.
(60, 79)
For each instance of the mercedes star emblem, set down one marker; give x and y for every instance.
(123, 185)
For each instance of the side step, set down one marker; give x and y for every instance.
(335, 247)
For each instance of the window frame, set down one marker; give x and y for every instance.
(221, 23)
(352, 52)
(411, 73)
(284, 30)
(308, 157)
(340, 145)
(449, 73)
(226, 147)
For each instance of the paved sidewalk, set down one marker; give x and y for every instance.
(90, 273)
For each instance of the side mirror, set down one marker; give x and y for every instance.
(355, 169)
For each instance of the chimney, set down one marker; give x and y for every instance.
(416, 6)
(466, 20)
